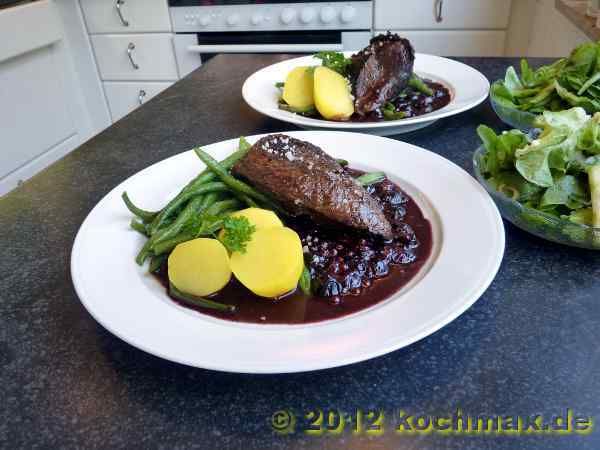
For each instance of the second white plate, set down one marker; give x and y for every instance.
(468, 88)
(125, 299)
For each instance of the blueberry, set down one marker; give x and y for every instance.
(353, 280)
(381, 268)
(331, 288)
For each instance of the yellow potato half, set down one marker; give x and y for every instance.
(298, 88)
(199, 267)
(332, 94)
(272, 263)
(260, 218)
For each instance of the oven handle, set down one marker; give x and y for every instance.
(265, 48)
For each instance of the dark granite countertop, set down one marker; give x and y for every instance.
(528, 346)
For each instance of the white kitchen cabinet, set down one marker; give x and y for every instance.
(441, 14)
(43, 113)
(457, 42)
(135, 56)
(123, 97)
(126, 16)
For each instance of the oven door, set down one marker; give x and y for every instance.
(191, 49)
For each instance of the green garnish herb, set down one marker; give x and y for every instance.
(237, 233)
(335, 61)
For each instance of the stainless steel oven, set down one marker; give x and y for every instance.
(206, 27)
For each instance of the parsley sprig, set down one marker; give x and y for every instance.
(237, 233)
(335, 61)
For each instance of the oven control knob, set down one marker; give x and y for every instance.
(288, 15)
(327, 14)
(348, 14)
(233, 20)
(204, 21)
(256, 19)
(307, 15)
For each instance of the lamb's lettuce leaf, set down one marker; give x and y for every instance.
(500, 149)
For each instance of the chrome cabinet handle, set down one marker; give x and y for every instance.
(141, 96)
(438, 8)
(120, 13)
(130, 49)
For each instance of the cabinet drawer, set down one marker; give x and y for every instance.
(455, 14)
(102, 16)
(152, 55)
(456, 43)
(124, 97)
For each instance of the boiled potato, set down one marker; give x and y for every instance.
(199, 267)
(298, 88)
(332, 94)
(272, 263)
(260, 218)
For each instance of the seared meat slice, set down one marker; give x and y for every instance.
(306, 180)
(380, 71)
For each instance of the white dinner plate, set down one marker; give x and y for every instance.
(468, 247)
(468, 88)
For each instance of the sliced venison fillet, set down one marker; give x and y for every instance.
(380, 71)
(306, 180)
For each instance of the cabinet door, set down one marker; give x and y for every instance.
(126, 16)
(135, 57)
(456, 43)
(123, 97)
(42, 114)
(454, 14)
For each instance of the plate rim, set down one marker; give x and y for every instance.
(365, 126)
(433, 324)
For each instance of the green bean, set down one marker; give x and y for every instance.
(305, 281)
(156, 263)
(209, 199)
(219, 208)
(205, 176)
(371, 178)
(305, 111)
(193, 300)
(186, 218)
(144, 252)
(164, 215)
(417, 83)
(182, 232)
(236, 185)
(146, 216)
(138, 226)
(204, 230)
(251, 203)
(168, 245)
(210, 209)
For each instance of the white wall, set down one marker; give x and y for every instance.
(536, 28)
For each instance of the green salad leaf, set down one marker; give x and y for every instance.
(568, 82)
(557, 173)
(501, 148)
(569, 191)
(581, 216)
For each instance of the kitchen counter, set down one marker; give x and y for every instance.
(528, 346)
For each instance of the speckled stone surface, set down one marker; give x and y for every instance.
(528, 346)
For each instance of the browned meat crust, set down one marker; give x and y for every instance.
(380, 71)
(306, 180)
